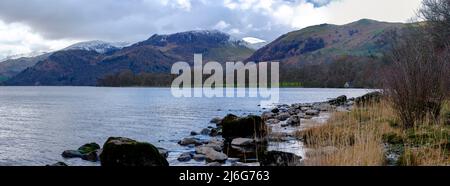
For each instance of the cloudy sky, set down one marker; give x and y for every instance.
(44, 25)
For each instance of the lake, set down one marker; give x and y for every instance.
(38, 123)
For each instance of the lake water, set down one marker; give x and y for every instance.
(38, 123)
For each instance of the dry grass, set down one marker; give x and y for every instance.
(358, 138)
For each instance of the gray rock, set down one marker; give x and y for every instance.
(242, 142)
(283, 116)
(238, 164)
(216, 120)
(275, 110)
(323, 107)
(214, 156)
(312, 112)
(205, 132)
(272, 121)
(211, 155)
(193, 133)
(216, 147)
(216, 141)
(304, 109)
(214, 164)
(199, 157)
(341, 100)
(267, 115)
(294, 120)
(203, 150)
(190, 141)
(72, 154)
(186, 156)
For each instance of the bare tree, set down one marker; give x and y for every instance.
(417, 81)
(436, 14)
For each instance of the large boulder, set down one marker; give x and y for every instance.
(277, 158)
(341, 100)
(246, 127)
(370, 98)
(119, 151)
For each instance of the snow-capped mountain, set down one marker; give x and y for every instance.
(24, 55)
(98, 46)
(254, 43)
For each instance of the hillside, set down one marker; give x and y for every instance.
(325, 43)
(12, 67)
(332, 56)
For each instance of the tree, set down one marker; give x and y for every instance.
(418, 79)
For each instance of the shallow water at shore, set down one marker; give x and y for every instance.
(38, 123)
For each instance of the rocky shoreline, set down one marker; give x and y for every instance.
(233, 141)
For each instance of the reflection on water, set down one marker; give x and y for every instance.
(38, 123)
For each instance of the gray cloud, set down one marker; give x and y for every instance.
(133, 20)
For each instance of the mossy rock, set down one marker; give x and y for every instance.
(393, 138)
(246, 127)
(118, 151)
(88, 148)
(370, 98)
(227, 119)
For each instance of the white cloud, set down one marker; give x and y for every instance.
(221, 25)
(17, 39)
(345, 11)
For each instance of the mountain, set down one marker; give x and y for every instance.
(24, 55)
(154, 55)
(98, 46)
(12, 67)
(214, 45)
(325, 43)
(18, 63)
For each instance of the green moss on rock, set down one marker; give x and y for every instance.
(88, 148)
(118, 151)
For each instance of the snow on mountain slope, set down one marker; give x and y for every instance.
(98, 46)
